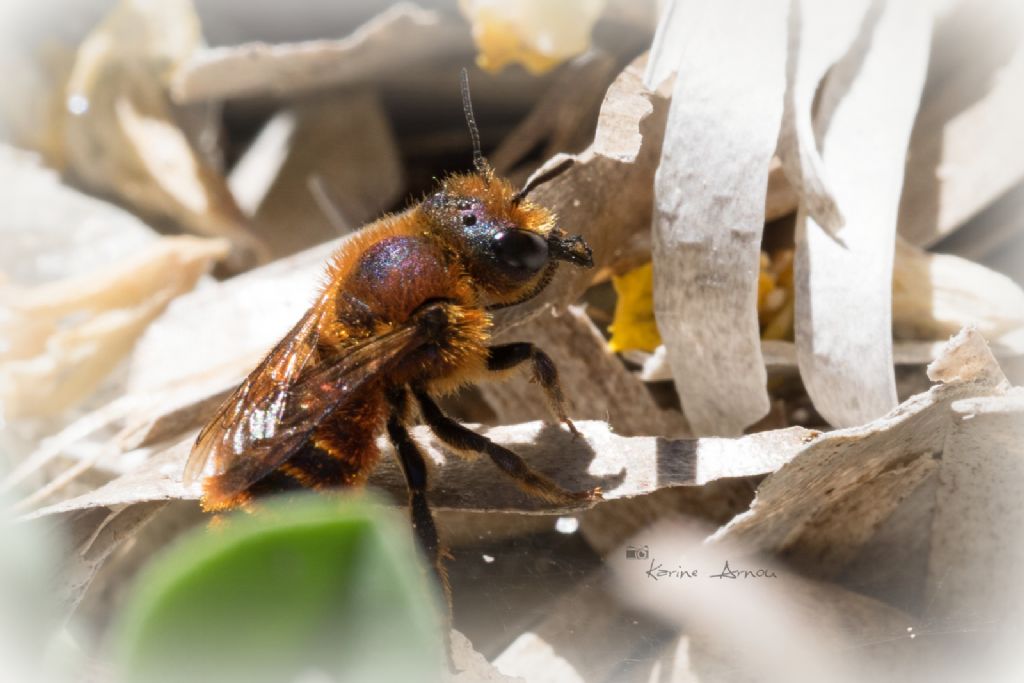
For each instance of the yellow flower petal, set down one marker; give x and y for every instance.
(539, 34)
(633, 326)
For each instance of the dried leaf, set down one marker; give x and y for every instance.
(563, 118)
(400, 37)
(51, 231)
(722, 130)
(252, 312)
(95, 535)
(623, 466)
(121, 133)
(809, 507)
(64, 337)
(958, 162)
(595, 383)
(472, 666)
(934, 295)
(843, 280)
(341, 146)
(782, 199)
(819, 36)
(782, 354)
(976, 558)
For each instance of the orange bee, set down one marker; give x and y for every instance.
(404, 316)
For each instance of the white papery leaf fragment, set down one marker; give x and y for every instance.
(819, 34)
(710, 191)
(843, 280)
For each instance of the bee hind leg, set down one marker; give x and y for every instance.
(454, 434)
(509, 356)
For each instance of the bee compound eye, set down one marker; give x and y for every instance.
(521, 250)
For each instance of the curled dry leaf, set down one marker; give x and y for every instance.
(402, 36)
(813, 509)
(976, 555)
(958, 162)
(974, 577)
(634, 327)
(563, 118)
(121, 132)
(843, 279)
(64, 337)
(819, 34)
(782, 354)
(534, 33)
(623, 466)
(722, 129)
(934, 295)
(782, 199)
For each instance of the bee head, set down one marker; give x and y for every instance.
(509, 245)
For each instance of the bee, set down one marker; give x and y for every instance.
(404, 317)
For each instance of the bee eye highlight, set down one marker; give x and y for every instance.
(469, 220)
(521, 250)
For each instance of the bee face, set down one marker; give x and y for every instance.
(498, 243)
(508, 245)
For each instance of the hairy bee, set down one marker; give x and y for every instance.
(404, 317)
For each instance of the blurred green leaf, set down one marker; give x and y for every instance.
(307, 589)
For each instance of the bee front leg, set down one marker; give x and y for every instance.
(455, 435)
(509, 356)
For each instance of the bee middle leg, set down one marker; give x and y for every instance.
(415, 469)
(454, 434)
(508, 356)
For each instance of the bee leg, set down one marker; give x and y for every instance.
(508, 356)
(415, 470)
(455, 435)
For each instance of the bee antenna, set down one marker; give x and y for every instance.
(479, 162)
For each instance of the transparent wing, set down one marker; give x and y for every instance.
(279, 405)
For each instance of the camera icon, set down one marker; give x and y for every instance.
(634, 552)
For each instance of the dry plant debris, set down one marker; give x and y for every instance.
(317, 170)
(761, 195)
(64, 337)
(721, 133)
(842, 341)
(286, 69)
(121, 133)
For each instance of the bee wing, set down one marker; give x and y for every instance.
(275, 410)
